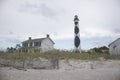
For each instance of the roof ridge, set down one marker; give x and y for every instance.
(32, 40)
(38, 38)
(114, 41)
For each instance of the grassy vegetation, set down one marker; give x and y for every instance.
(59, 54)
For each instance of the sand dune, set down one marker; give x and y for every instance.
(68, 70)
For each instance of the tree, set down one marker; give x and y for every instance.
(11, 49)
(102, 49)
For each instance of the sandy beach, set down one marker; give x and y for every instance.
(68, 70)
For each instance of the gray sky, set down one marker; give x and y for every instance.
(20, 19)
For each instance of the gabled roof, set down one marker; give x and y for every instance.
(37, 39)
(114, 42)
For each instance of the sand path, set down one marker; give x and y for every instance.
(105, 73)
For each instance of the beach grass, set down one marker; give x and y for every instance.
(61, 54)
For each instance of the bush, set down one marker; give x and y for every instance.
(102, 49)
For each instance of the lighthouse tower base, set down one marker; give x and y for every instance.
(77, 50)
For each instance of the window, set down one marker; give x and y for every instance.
(37, 43)
(25, 44)
(30, 44)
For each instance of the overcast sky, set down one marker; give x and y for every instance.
(20, 19)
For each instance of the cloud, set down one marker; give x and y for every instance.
(40, 9)
(36, 18)
(46, 11)
(8, 42)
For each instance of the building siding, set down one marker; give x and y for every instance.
(114, 48)
(47, 45)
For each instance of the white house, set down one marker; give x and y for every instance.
(114, 47)
(37, 45)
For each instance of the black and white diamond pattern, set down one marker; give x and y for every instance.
(76, 31)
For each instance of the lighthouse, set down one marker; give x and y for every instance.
(77, 35)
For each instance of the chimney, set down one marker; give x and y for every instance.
(29, 38)
(48, 36)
